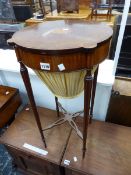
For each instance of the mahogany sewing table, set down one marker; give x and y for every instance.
(76, 45)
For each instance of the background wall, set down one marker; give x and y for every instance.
(10, 76)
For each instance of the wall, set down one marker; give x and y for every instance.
(10, 76)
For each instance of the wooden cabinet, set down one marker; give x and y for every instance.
(32, 164)
(24, 130)
(9, 102)
(119, 110)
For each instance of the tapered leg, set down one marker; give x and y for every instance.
(26, 79)
(93, 93)
(57, 107)
(87, 97)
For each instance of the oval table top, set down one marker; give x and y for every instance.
(62, 35)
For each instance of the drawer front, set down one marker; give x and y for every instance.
(33, 164)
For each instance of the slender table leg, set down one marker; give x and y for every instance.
(57, 107)
(87, 97)
(93, 93)
(26, 79)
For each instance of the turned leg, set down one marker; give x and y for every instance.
(93, 93)
(57, 107)
(26, 79)
(87, 97)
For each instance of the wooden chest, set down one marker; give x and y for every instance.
(24, 131)
(9, 102)
(119, 109)
(108, 151)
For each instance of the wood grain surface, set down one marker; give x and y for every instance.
(84, 14)
(24, 130)
(9, 103)
(71, 61)
(6, 94)
(62, 35)
(119, 109)
(108, 151)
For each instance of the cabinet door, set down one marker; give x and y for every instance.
(33, 164)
